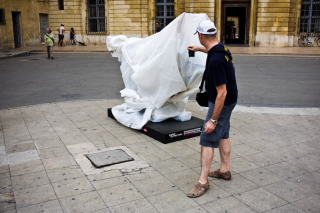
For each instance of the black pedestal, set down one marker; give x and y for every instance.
(171, 130)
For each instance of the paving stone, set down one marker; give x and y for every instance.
(3, 161)
(82, 148)
(132, 139)
(191, 161)
(119, 194)
(29, 180)
(315, 156)
(105, 175)
(72, 187)
(261, 176)
(306, 163)
(4, 175)
(50, 206)
(142, 174)
(3, 150)
(76, 139)
(229, 204)
(241, 165)
(179, 151)
(286, 170)
(142, 205)
(168, 166)
(53, 152)
(186, 178)
(106, 210)
(34, 195)
(263, 145)
(289, 191)
(284, 153)
(65, 173)
(195, 210)
(86, 202)
(172, 201)
(21, 147)
(45, 143)
(309, 204)
(154, 156)
(262, 159)
(309, 181)
(236, 185)
(22, 157)
(7, 202)
(313, 143)
(153, 186)
(285, 209)
(260, 200)
(105, 183)
(58, 162)
(244, 149)
(5, 186)
(15, 136)
(26, 168)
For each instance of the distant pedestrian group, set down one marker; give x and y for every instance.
(49, 39)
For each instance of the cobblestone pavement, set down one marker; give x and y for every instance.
(274, 162)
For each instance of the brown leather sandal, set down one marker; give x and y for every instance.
(218, 174)
(198, 190)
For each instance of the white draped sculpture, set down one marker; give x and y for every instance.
(158, 74)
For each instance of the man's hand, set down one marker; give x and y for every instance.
(209, 127)
(193, 48)
(197, 48)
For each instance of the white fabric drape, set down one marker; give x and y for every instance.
(158, 74)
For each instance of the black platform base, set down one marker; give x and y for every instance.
(171, 130)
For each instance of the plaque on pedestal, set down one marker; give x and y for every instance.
(171, 130)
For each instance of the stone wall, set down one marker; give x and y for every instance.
(29, 21)
(128, 17)
(71, 16)
(274, 26)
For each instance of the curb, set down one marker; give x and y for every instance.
(25, 53)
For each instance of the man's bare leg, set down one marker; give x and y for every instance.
(206, 160)
(225, 149)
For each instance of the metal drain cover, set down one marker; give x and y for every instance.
(108, 158)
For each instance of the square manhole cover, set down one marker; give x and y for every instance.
(108, 158)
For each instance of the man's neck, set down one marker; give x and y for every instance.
(211, 44)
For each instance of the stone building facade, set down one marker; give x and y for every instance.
(277, 23)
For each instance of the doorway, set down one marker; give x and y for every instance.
(16, 29)
(43, 26)
(235, 22)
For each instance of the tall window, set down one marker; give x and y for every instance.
(310, 16)
(96, 16)
(164, 12)
(60, 5)
(2, 16)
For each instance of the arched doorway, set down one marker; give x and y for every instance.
(235, 21)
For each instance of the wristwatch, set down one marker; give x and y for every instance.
(214, 121)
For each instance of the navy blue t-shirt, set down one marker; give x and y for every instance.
(221, 71)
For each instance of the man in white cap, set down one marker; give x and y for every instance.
(61, 34)
(222, 91)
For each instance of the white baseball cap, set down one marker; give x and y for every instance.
(206, 27)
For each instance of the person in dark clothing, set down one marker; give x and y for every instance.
(222, 91)
(158, 27)
(72, 33)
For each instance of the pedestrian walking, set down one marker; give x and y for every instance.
(72, 33)
(61, 34)
(221, 88)
(49, 41)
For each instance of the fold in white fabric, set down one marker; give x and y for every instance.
(158, 74)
